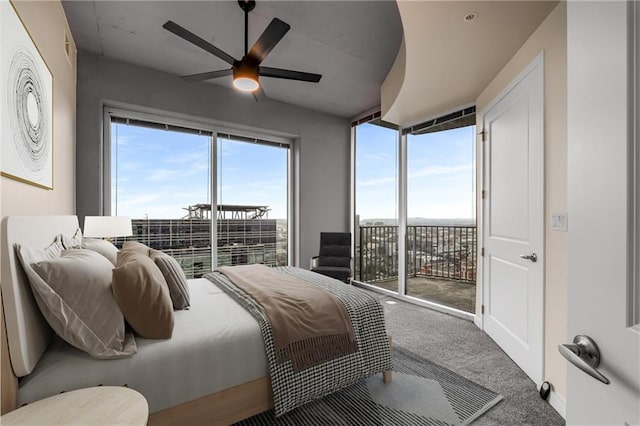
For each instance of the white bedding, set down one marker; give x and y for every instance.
(215, 345)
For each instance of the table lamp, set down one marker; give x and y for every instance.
(107, 227)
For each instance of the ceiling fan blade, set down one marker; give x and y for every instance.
(194, 39)
(259, 94)
(289, 74)
(269, 38)
(207, 75)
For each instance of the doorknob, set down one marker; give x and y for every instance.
(532, 257)
(585, 355)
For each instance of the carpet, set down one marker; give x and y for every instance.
(421, 393)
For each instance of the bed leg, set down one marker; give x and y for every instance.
(387, 374)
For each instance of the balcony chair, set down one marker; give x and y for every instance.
(334, 259)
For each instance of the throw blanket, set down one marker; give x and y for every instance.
(294, 388)
(309, 325)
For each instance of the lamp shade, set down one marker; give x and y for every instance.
(107, 226)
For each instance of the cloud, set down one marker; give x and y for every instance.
(440, 170)
(194, 157)
(122, 140)
(376, 182)
(138, 200)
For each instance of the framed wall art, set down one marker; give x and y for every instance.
(26, 97)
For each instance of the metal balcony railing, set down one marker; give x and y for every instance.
(432, 251)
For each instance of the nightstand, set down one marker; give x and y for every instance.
(112, 405)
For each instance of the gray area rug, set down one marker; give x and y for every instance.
(421, 393)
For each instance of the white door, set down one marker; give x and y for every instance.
(602, 304)
(513, 262)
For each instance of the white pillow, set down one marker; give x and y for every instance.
(52, 251)
(103, 247)
(73, 242)
(74, 294)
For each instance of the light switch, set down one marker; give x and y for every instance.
(559, 222)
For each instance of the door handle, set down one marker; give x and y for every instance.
(532, 257)
(585, 355)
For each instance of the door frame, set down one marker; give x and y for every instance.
(633, 315)
(481, 159)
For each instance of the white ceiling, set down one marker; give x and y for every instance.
(447, 62)
(351, 43)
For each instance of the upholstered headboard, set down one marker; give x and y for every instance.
(28, 333)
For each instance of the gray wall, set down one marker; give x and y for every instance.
(323, 140)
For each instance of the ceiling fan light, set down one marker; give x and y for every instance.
(246, 84)
(245, 77)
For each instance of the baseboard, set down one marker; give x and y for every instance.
(558, 403)
(477, 320)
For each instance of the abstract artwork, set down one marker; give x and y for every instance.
(26, 105)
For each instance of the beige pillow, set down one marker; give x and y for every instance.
(74, 294)
(176, 279)
(103, 247)
(142, 294)
(136, 246)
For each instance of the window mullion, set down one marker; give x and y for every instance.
(402, 213)
(214, 199)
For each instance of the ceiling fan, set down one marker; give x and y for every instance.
(247, 71)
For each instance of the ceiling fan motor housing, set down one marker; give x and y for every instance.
(245, 74)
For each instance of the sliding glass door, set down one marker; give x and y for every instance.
(441, 226)
(432, 259)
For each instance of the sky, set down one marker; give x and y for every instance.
(440, 169)
(157, 173)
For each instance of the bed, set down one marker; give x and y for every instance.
(189, 378)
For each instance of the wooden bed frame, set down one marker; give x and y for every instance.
(220, 408)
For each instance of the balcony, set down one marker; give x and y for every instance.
(441, 262)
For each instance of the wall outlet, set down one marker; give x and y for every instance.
(559, 222)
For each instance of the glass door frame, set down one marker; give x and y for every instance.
(402, 230)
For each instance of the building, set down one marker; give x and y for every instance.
(244, 235)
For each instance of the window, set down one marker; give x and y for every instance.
(414, 218)
(376, 201)
(252, 182)
(186, 187)
(155, 176)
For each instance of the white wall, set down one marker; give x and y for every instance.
(323, 140)
(47, 24)
(550, 37)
